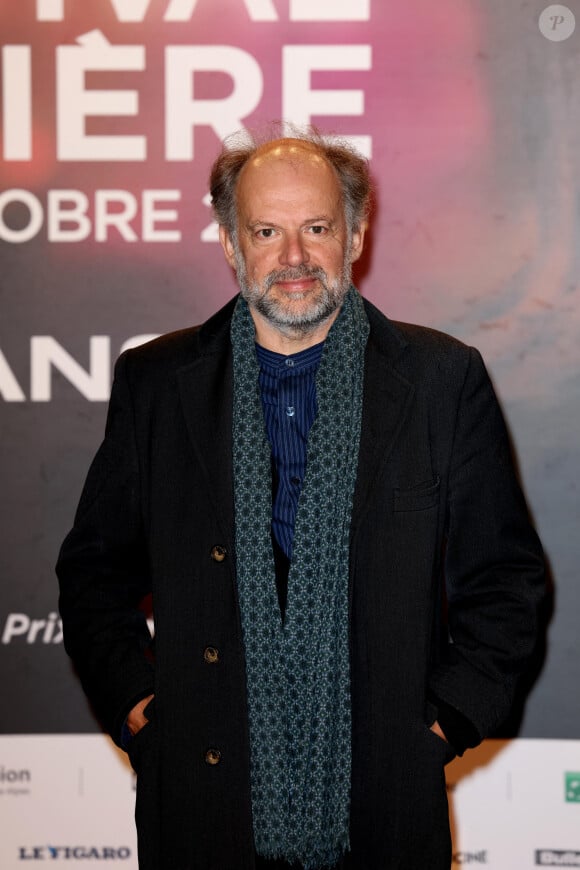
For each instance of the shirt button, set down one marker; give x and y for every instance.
(211, 655)
(289, 362)
(295, 481)
(218, 553)
(290, 411)
(213, 757)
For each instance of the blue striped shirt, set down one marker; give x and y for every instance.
(288, 389)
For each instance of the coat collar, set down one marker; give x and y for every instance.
(206, 386)
(386, 402)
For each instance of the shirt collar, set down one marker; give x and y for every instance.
(281, 363)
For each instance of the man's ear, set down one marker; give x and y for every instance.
(357, 242)
(228, 246)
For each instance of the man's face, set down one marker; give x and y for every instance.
(293, 254)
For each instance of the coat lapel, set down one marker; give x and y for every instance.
(205, 388)
(387, 399)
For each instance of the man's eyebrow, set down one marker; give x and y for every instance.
(313, 220)
(252, 226)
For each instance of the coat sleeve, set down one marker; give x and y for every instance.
(494, 567)
(103, 573)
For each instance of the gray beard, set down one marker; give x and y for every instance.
(329, 299)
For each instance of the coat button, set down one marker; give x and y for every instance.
(213, 757)
(218, 553)
(211, 655)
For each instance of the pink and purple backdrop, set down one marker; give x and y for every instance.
(111, 113)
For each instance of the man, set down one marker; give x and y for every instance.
(344, 578)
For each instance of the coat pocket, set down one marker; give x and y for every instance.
(439, 745)
(419, 498)
(140, 743)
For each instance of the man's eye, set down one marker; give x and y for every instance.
(317, 230)
(265, 233)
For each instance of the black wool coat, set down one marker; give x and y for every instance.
(446, 575)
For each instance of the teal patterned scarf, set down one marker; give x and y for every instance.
(298, 675)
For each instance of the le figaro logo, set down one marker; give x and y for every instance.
(74, 853)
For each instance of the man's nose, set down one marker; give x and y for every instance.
(294, 251)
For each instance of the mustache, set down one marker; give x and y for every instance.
(294, 274)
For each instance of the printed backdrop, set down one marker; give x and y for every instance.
(111, 112)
